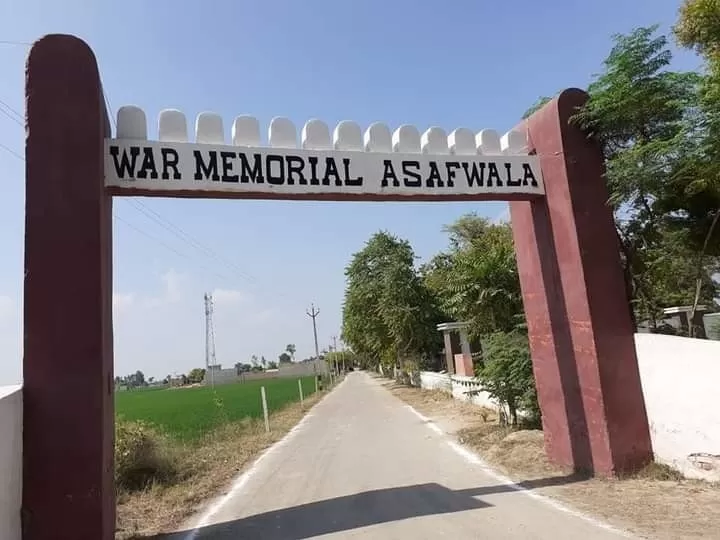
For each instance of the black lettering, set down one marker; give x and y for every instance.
(434, 176)
(126, 165)
(351, 181)
(295, 166)
(227, 167)
(248, 173)
(451, 166)
(331, 170)
(528, 175)
(508, 178)
(204, 171)
(280, 178)
(472, 176)
(170, 161)
(493, 174)
(314, 180)
(407, 167)
(389, 172)
(148, 164)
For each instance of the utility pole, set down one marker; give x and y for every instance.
(334, 338)
(209, 339)
(313, 313)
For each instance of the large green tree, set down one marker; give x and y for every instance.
(647, 118)
(388, 314)
(476, 279)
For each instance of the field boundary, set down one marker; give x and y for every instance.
(213, 507)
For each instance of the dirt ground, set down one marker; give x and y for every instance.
(211, 465)
(656, 503)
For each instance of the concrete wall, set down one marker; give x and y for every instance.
(298, 369)
(680, 379)
(10, 461)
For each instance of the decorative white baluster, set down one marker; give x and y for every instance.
(172, 126)
(131, 123)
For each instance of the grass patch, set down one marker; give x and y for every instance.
(167, 469)
(189, 414)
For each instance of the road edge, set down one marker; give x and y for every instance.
(202, 518)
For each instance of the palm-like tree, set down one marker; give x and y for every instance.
(290, 349)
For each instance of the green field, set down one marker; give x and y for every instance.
(190, 413)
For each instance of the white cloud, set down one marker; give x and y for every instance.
(229, 297)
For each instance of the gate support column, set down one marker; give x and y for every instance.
(581, 334)
(68, 488)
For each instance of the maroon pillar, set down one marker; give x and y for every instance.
(68, 490)
(581, 333)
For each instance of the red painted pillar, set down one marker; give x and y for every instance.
(581, 333)
(68, 488)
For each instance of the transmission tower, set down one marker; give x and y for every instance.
(210, 360)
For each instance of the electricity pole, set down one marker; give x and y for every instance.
(209, 339)
(334, 338)
(313, 313)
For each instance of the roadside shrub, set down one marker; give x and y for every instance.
(506, 374)
(142, 456)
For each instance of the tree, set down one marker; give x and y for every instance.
(241, 367)
(506, 373)
(272, 365)
(290, 349)
(647, 120)
(196, 375)
(389, 315)
(263, 361)
(477, 280)
(284, 358)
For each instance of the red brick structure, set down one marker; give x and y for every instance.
(580, 330)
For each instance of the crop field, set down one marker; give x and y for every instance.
(189, 413)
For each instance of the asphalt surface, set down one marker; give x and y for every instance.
(363, 465)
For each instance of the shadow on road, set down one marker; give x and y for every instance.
(358, 510)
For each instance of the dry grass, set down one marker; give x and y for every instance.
(655, 503)
(207, 469)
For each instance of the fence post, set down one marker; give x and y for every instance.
(265, 409)
(316, 383)
(302, 405)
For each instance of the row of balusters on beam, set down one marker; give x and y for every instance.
(315, 135)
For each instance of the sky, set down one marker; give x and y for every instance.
(461, 63)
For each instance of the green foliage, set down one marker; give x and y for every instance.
(142, 456)
(388, 313)
(284, 358)
(506, 373)
(651, 125)
(476, 280)
(188, 414)
(196, 375)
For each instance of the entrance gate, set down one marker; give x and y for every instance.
(581, 335)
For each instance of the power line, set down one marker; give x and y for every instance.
(23, 43)
(12, 152)
(166, 246)
(185, 237)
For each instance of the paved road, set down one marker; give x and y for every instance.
(363, 465)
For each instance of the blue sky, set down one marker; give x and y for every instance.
(462, 63)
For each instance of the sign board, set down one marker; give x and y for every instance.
(134, 165)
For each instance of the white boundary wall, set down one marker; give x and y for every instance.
(681, 385)
(10, 461)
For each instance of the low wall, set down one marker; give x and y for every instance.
(10, 461)
(680, 378)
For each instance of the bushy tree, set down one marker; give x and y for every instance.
(389, 315)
